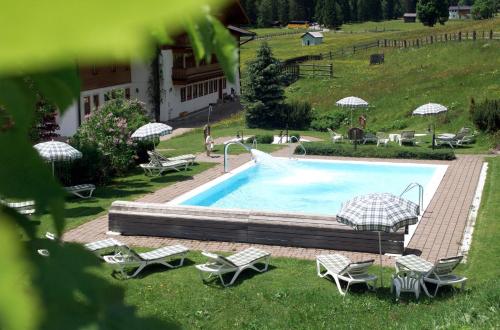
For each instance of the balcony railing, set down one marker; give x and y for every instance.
(182, 76)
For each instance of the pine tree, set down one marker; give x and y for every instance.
(429, 12)
(354, 10)
(283, 9)
(250, 7)
(319, 11)
(265, 15)
(346, 10)
(376, 10)
(263, 92)
(296, 11)
(331, 15)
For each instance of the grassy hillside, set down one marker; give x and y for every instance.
(444, 73)
(289, 46)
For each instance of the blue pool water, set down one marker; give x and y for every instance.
(316, 187)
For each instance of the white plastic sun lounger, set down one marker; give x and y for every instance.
(340, 267)
(187, 157)
(81, 190)
(105, 245)
(236, 263)
(26, 207)
(156, 169)
(130, 258)
(441, 275)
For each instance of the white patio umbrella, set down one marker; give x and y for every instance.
(380, 212)
(151, 131)
(53, 151)
(430, 109)
(352, 102)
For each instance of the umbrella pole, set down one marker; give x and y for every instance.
(380, 256)
(433, 135)
(53, 168)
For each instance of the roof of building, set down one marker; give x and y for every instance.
(241, 31)
(298, 22)
(410, 15)
(459, 7)
(313, 34)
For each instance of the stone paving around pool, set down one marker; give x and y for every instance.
(438, 235)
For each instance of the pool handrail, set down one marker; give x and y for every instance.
(300, 145)
(226, 148)
(420, 193)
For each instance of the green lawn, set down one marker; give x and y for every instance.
(130, 187)
(291, 296)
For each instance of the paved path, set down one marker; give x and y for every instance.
(439, 233)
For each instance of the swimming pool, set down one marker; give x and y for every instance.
(310, 186)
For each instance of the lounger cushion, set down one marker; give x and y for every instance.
(163, 252)
(103, 244)
(80, 187)
(182, 157)
(20, 205)
(335, 263)
(173, 163)
(247, 256)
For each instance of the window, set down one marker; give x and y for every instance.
(127, 93)
(216, 85)
(86, 105)
(205, 88)
(224, 83)
(183, 94)
(195, 91)
(96, 101)
(200, 89)
(106, 96)
(189, 92)
(211, 86)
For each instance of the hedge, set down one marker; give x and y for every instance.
(347, 150)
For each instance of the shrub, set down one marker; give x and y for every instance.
(333, 120)
(296, 134)
(486, 115)
(104, 138)
(329, 149)
(262, 138)
(299, 115)
(483, 9)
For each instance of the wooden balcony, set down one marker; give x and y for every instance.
(182, 76)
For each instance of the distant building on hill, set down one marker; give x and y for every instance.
(298, 25)
(311, 38)
(459, 12)
(410, 17)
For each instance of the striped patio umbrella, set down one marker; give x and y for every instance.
(53, 151)
(430, 109)
(380, 212)
(151, 131)
(352, 102)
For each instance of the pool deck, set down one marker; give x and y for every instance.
(438, 235)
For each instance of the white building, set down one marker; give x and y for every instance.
(183, 86)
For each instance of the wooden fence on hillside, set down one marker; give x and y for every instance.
(296, 68)
(444, 37)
